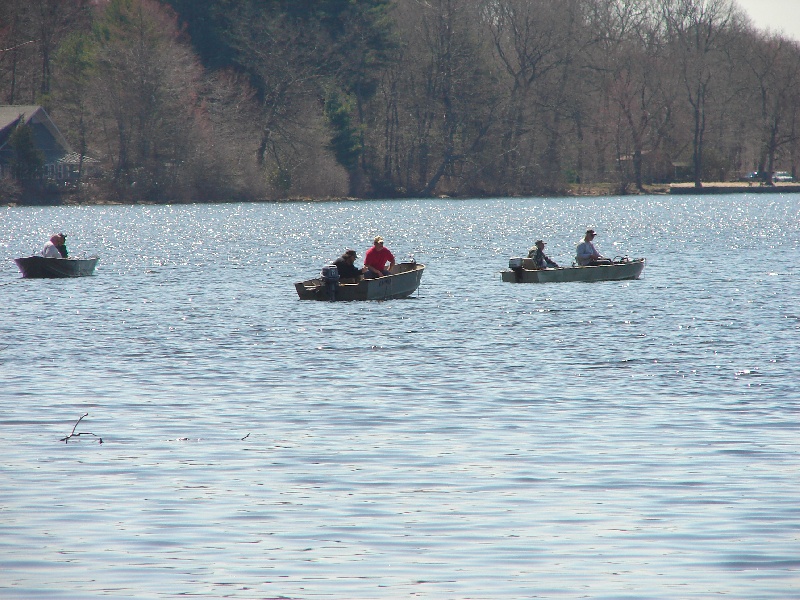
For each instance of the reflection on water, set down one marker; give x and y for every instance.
(479, 440)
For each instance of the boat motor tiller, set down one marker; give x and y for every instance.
(515, 264)
(330, 275)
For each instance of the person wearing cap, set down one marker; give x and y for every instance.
(348, 272)
(587, 255)
(56, 247)
(540, 259)
(375, 260)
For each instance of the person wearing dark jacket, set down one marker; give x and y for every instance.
(348, 272)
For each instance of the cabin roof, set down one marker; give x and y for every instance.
(10, 116)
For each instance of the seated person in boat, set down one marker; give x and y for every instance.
(348, 272)
(376, 258)
(587, 255)
(56, 247)
(540, 259)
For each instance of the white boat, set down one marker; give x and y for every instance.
(521, 270)
(403, 282)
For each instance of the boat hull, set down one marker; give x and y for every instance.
(55, 268)
(615, 272)
(403, 282)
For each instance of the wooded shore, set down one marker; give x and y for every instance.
(203, 100)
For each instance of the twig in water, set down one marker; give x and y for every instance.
(245, 437)
(73, 434)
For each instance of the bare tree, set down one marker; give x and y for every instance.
(52, 21)
(696, 31)
(635, 80)
(774, 63)
(286, 65)
(30, 33)
(18, 45)
(144, 97)
(229, 107)
(446, 97)
(529, 40)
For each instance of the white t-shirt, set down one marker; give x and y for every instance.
(50, 251)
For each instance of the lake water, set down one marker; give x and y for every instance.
(618, 440)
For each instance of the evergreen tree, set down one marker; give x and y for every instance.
(345, 141)
(27, 159)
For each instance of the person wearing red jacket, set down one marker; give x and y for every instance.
(376, 258)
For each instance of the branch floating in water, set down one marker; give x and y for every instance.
(73, 434)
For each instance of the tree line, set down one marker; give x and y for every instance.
(209, 100)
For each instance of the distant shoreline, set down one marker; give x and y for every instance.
(576, 190)
(733, 187)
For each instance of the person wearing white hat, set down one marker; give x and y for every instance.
(587, 255)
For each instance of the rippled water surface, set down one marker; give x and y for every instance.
(479, 440)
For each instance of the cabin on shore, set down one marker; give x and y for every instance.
(60, 167)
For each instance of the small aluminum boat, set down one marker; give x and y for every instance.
(521, 271)
(403, 282)
(38, 266)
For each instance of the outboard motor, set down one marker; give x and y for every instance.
(515, 264)
(330, 275)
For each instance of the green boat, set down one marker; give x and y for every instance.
(521, 270)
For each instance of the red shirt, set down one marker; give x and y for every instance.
(377, 258)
